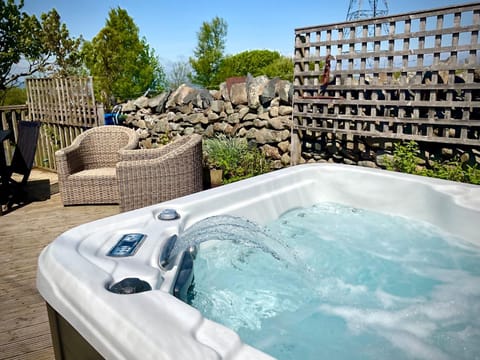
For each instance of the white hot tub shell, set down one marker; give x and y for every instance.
(75, 271)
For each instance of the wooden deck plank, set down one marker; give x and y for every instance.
(24, 328)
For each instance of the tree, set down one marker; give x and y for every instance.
(122, 64)
(281, 67)
(40, 46)
(256, 63)
(209, 52)
(179, 74)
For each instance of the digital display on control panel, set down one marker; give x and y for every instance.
(127, 245)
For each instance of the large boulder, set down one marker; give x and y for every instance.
(284, 90)
(179, 95)
(238, 94)
(255, 86)
(268, 93)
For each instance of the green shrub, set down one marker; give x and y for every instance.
(406, 159)
(235, 157)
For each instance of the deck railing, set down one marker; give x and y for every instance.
(65, 107)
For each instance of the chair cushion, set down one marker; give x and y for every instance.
(93, 173)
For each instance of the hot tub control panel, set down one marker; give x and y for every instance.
(127, 245)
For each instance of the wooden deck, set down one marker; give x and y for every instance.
(24, 232)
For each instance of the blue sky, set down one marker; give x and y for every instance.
(171, 27)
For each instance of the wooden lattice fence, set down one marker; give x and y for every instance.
(66, 107)
(412, 77)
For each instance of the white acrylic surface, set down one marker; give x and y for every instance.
(74, 271)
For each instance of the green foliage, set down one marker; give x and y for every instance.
(247, 62)
(123, 65)
(56, 42)
(209, 52)
(44, 46)
(13, 96)
(405, 159)
(282, 68)
(235, 157)
(256, 63)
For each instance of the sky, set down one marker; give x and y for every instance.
(171, 27)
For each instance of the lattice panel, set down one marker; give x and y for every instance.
(65, 101)
(411, 76)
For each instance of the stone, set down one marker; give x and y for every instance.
(224, 91)
(143, 133)
(254, 87)
(171, 116)
(274, 111)
(383, 159)
(284, 146)
(229, 129)
(178, 96)
(271, 152)
(217, 106)
(216, 94)
(242, 132)
(268, 93)
(276, 123)
(264, 136)
(264, 116)
(145, 143)
(161, 125)
(367, 163)
(141, 102)
(129, 106)
(465, 157)
(238, 94)
(233, 118)
(250, 117)
(284, 90)
(209, 132)
(447, 152)
(175, 127)
(285, 159)
(158, 102)
(219, 126)
(185, 108)
(277, 164)
(142, 124)
(189, 131)
(200, 98)
(212, 116)
(284, 110)
(260, 123)
(228, 107)
(197, 118)
(275, 102)
(338, 158)
(242, 111)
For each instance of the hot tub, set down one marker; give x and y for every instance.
(80, 271)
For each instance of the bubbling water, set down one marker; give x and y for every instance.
(341, 283)
(236, 230)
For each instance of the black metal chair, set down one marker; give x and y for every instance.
(13, 191)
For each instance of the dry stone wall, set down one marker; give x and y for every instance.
(256, 108)
(260, 110)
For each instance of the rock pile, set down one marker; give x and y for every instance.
(256, 108)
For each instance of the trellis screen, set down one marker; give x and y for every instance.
(413, 77)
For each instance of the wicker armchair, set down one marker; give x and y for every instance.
(86, 169)
(149, 176)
